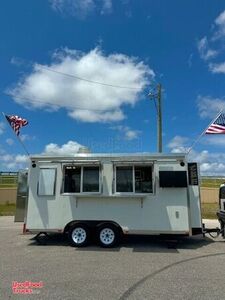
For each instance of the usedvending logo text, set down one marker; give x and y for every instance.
(26, 287)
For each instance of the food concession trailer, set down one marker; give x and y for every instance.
(109, 195)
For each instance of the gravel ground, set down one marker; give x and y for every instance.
(141, 268)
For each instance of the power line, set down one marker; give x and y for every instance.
(87, 80)
(57, 105)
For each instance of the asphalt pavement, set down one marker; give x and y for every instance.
(141, 268)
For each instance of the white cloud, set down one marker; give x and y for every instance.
(178, 144)
(213, 169)
(10, 142)
(81, 8)
(212, 45)
(14, 162)
(17, 162)
(27, 137)
(220, 26)
(131, 134)
(17, 61)
(211, 164)
(217, 68)
(128, 133)
(190, 59)
(2, 127)
(215, 139)
(69, 148)
(84, 101)
(78, 8)
(106, 7)
(205, 52)
(209, 107)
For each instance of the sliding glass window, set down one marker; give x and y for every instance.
(81, 179)
(133, 179)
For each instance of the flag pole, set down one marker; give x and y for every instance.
(19, 139)
(198, 138)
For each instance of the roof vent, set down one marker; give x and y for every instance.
(84, 150)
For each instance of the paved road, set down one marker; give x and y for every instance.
(142, 268)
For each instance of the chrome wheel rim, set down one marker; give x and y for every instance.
(107, 236)
(79, 235)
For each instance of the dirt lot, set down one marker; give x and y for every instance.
(141, 268)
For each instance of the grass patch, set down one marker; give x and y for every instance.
(209, 210)
(7, 209)
(212, 183)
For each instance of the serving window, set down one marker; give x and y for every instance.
(81, 179)
(133, 179)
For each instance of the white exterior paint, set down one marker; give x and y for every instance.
(165, 211)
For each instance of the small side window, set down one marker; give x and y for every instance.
(46, 183)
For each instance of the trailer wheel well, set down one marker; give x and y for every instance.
(101, 223)
(92, 224)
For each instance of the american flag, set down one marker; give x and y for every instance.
(218, 126)
(16, 123)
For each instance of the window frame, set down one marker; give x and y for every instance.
(133, 165)
(82, 166)
(54, 184)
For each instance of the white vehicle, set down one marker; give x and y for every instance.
(108, 195)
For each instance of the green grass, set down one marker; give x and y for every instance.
(213, 183)
(7, 209)
(209, 210)
(8, 181)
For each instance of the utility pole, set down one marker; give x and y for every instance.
(157, 95)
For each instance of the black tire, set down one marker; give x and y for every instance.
(79, 235)
(108, 235)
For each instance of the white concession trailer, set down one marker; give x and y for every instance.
(107, 195)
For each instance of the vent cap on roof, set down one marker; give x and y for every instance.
(84, 150)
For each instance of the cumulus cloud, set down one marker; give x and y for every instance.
(209, 107)
(215, 140)
(128, 133)
(217, 68)
(10, 142)
(106, 7)
(220, 26)
(81, 8)
(14, 162)
(204, 50)
(69, 148)
(84, 100)
(27, 137)
(212, 46)
(178, 144)
(211, 164)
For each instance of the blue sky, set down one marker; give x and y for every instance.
(133, 44)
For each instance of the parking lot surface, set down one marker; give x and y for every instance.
(141, 268)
